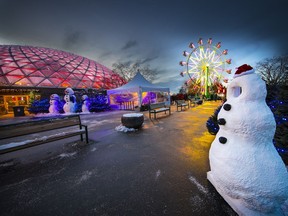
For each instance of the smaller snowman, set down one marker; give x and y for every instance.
(85, 104)
(70, 99)
(54, 104)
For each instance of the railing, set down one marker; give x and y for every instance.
(126, 105)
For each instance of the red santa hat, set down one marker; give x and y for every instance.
(243, 70)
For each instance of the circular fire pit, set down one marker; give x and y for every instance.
(132, 120)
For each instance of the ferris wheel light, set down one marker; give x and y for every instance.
(218, 45)
(191, 45)
(182, 63)
(209, 41)
(225, 80)
(225, 52)
(200, 41)
(185, 53)
(228, 61)
(228, 71)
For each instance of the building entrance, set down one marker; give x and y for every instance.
(15, 100)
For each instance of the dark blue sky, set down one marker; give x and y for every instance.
(155, 32)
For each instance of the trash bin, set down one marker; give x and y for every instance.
(18, 111)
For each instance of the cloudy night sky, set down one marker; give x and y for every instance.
(153, 31)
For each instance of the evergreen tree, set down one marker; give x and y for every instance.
(39, 106)
(277, 100)
(212, 123)
(99, 103)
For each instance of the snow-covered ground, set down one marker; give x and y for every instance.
(124, 129)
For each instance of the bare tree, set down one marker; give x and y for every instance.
(129, 69)
(274, 71)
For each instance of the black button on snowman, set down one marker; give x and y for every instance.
(222, 121)
(245, 167)
(227, 107)
(244, 69)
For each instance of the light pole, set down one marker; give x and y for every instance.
(206, 93)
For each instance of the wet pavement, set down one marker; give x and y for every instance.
(158, 170)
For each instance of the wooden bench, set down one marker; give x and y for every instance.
(181, 104)
(157, 108)
(71, 122)
(196, 102)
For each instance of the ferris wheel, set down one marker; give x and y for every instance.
(205, 64)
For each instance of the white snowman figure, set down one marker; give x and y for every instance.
(70, 99)
(54, 103)
(85, 104)
(245, 167)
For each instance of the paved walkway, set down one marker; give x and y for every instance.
(158, 170)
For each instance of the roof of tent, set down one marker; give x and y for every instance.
(138, 83)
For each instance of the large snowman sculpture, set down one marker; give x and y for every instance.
(85, 104)
(70, 99)
(245, 167)
(54, 104)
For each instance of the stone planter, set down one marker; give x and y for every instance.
(132, 120)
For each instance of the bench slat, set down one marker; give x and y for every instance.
(42, 125)
(181, 104)
(40, 141)
(157, 108)
(25, 128)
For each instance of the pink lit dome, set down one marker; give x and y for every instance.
(43, 67)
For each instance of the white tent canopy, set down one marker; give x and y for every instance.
(138, 84)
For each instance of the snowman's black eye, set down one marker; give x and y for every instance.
(237, 90)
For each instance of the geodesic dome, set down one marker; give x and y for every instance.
(43, 67)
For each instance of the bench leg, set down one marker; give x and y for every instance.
(86, 135)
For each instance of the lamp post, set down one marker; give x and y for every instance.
(206, 93)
